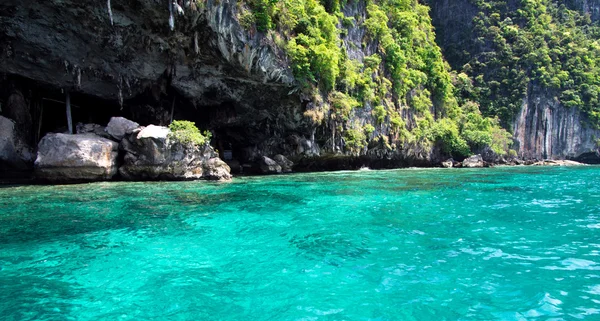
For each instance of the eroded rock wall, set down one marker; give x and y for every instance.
(545, 129)
(72, 44)
(236, 82)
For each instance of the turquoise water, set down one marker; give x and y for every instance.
(491, 244)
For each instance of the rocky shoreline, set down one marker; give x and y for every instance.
(126, 151)
(122, 150)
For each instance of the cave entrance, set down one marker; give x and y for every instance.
(39, 109)
(222, 120)
(84, 109)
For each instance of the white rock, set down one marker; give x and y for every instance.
(153, 131)
(473, 162)
(86, 157)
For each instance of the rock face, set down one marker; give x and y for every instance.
(72, 158)
(15, 155)
(474, 161)
(234, 81)
(118, 127)
(269, 166)
(545, 129)
(115, 59)
(151, 155)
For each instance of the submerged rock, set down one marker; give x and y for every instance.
(84, 157)
(118, 127)
(269, 166)
(15, 154)
(473, 162)
(151, 155)
(286, 164)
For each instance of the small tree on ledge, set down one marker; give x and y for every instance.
(186, 133)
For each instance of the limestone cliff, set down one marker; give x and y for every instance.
(543, 127)
(236, 82)
(129, 61)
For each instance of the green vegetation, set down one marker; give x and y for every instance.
(540, 43)
(406, 75)
(186, 133)
(356, 140)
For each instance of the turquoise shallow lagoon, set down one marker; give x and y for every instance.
(489, 244)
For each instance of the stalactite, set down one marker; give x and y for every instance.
(171, 17)
(78, 76)
(40, 119)
(69, 118)
(178, 8)
(173, 109)
(196, 46)
(110, 16)
(120, 93)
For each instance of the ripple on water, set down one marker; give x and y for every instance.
(509, 244)
(572, 264)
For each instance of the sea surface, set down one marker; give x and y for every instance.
(482, 244)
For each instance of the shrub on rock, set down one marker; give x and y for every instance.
(186, 133)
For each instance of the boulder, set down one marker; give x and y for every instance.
(216, 169)
(150, 154)
(74, 158)
(269, 166)
(286, 164)
(474, 161)
(118, 127)
(448, 163)
(15, 154)
(489, 156)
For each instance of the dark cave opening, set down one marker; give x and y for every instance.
(229, 138)
(39, 109)
(44, 107)
(84, 109)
